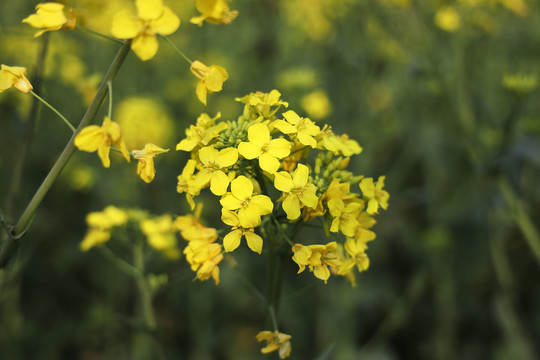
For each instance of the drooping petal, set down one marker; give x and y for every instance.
(232, 240)
(249, 150)
(125, 25)
(242, 188)
(215, 78)
(219, 182)
(258, 134)
(283, 181)
(291, 205)
(89, 138)
(279, 148)
(301, 175)
(201, 91)
(254, 241)
(103, 152)
(321, 272)
(145, 46)
(167, 23)
(269, 163)
(230, 218)
(227, 157)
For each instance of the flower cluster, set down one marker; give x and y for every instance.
(259, 167)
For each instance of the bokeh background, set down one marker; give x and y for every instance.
(442, 96)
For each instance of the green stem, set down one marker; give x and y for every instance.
(26, 218)
(176, 49)
(120, 264)
(142, 286)
(109, 86)
(90, 31)
(53, 109)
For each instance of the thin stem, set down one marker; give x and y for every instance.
(121, 264)
(53, 109)
(176, 49)
(143, 288)
(109, 86)
(273, 317)
(26, 218)
(90, 31)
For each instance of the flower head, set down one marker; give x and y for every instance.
(145, 166)
(304, 129)
(275, 341)
(204, 258)
(214, 12)
(232, 240)
(186, 183)
(48, 17)
(160, 235)
(297, 190)
(214, 163)
(100, 138)
(317, 257)
(211, 79)
(202, 133)
(152, 18)
(14, 76)
(100, 226)
(262, 146)
(377, 197)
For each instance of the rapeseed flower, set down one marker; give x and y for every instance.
(214, 12)
(374, 193)
(275, 341)
(186, 183)
(318, 258)
(262, 146)
(204, 258)
(100, 225)
(160, 233)
(48, 17)
(297, 191)
(214, 163)
(211, 79)
(14, 76)
(100, 138)
(303, 129)
(152, 18)
(145, 166)
(232, 240)
(202, 133)
(345, 215)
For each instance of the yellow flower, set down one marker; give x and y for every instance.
(296, 191)
(48, 17)
(260, 104)
(94, 137)
(152, 18)
(344, 215)
(214, 12)
(338, 145)
(356, 248)
(232, 240)
(212, 79)
(186, 183)
(317, 104)
(202, 133)
(14, 76)
(160, 235)
(318, 258)
(250, 207)
(192, 230)
(100, 224)
(145, 166)
(94, 237)
(303, 128)
(262, 146)
(275, 341)
(213, 164)
(448, 19)
(204, 258)
(375, 194)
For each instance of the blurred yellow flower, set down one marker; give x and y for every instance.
(14, 76)
(317, 104)
(212, 79)
(100, 138)
(152, 18)
(262, 146)
(160, 235)
(48, 17)
(297, 191)
(145, 166)
(275, 341)
(214, 12)
(100, 225)
(192, 230)
(448, 19)
(520, 83)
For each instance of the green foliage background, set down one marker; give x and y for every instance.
(455, 266)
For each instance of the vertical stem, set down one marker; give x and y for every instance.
(144, 290)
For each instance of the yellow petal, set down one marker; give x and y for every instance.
(309, 199)
(372, 207)
(301, 175)
(269, 163)
(254, 241)
(232, 240)
(208, 155)
(149, 9)
(242, 188)
(167, 23)
(201, 91)
(261, 204)
(279, 148)
(230, 202)
(219, 182)
(103, 152)
(229, 217)
(367, 187)
(248, 219)
(258, 134)
(89, 138)
(291, 117)
(336, 206)
(284, 127)
(214, 79)
(146, 170)
(283, 181)
(145, 46)
(291, 205)
(321, 272)
(248, 150)
(125, 25)
(227, 157)
(306, 139)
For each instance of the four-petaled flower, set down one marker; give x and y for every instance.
(214, 12)
(213, 164)
(145, 166)
(317, 258)
(232, 240)
(304, 129)
(14, 76)
(48, 17)
(262, 146)
(377, 197)
(100, 138)
(212, 78)
(152, 18)
(296, 191)
(275, 341)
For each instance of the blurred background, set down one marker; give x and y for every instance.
(441, 95)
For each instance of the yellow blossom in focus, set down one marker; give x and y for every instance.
(202, 132)
(275, 341)
(448, 19)
(211, 79)
(186, 183)
(261, 104)
(14, 76)
(213, 164)
(377, 197)
(317, 104)
(262, 146)
(214, 12)
(297, 191)
(232, 240)
(48, 17)
(250, 206)
(204, 258)
(152, 18)
(303, 128)
(338, 145)
(100, 138)
(318, 258)
(145, 166)
(160, 235)
(344, 215)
